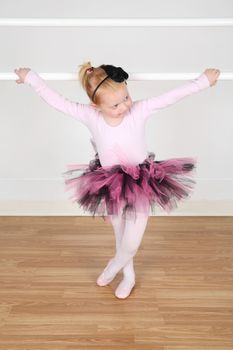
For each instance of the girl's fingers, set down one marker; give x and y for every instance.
(21, 72)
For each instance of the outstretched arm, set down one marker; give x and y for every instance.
(206, 79)
(81, 112)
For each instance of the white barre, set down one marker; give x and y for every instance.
(132, 76)
(116, 22)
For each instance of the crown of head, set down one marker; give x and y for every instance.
(115, 73)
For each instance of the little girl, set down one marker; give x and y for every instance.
(124, 181)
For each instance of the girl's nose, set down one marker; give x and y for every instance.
(124, 107)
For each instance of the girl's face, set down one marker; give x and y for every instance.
(115, 104)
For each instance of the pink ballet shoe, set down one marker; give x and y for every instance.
(102, 280)
(124, 289)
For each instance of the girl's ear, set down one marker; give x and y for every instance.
(94, 105)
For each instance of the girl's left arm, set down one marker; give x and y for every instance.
(205, 80)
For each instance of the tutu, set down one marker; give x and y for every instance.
(130, 189)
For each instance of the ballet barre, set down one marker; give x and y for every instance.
(116, 22)
(132, 76)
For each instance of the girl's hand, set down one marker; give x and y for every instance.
(21, 72)
(212, 74)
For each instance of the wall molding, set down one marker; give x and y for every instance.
(190, 207)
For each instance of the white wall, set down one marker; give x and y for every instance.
(37, 141)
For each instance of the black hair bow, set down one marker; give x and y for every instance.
(115, 73)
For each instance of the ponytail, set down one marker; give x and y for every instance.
(83, 76)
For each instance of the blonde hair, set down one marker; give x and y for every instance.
(90, 80)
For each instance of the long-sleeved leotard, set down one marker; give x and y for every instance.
(124, 143)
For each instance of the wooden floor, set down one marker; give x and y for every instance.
(183, 299)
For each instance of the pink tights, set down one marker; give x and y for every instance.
(128, 236)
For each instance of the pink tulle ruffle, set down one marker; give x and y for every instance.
(130, 189)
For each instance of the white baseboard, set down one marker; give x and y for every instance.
(66, 208)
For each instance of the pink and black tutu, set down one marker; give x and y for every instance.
(111, 190)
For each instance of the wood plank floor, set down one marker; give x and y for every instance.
(49, 300)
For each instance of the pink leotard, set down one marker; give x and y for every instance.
(126, 142)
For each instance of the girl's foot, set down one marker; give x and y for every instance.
(124, 288)
(102, 279)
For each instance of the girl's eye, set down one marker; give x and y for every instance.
(125, 99)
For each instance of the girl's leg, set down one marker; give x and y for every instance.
(118, 223)
(130, 242)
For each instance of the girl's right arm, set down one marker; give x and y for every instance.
(81, 112)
